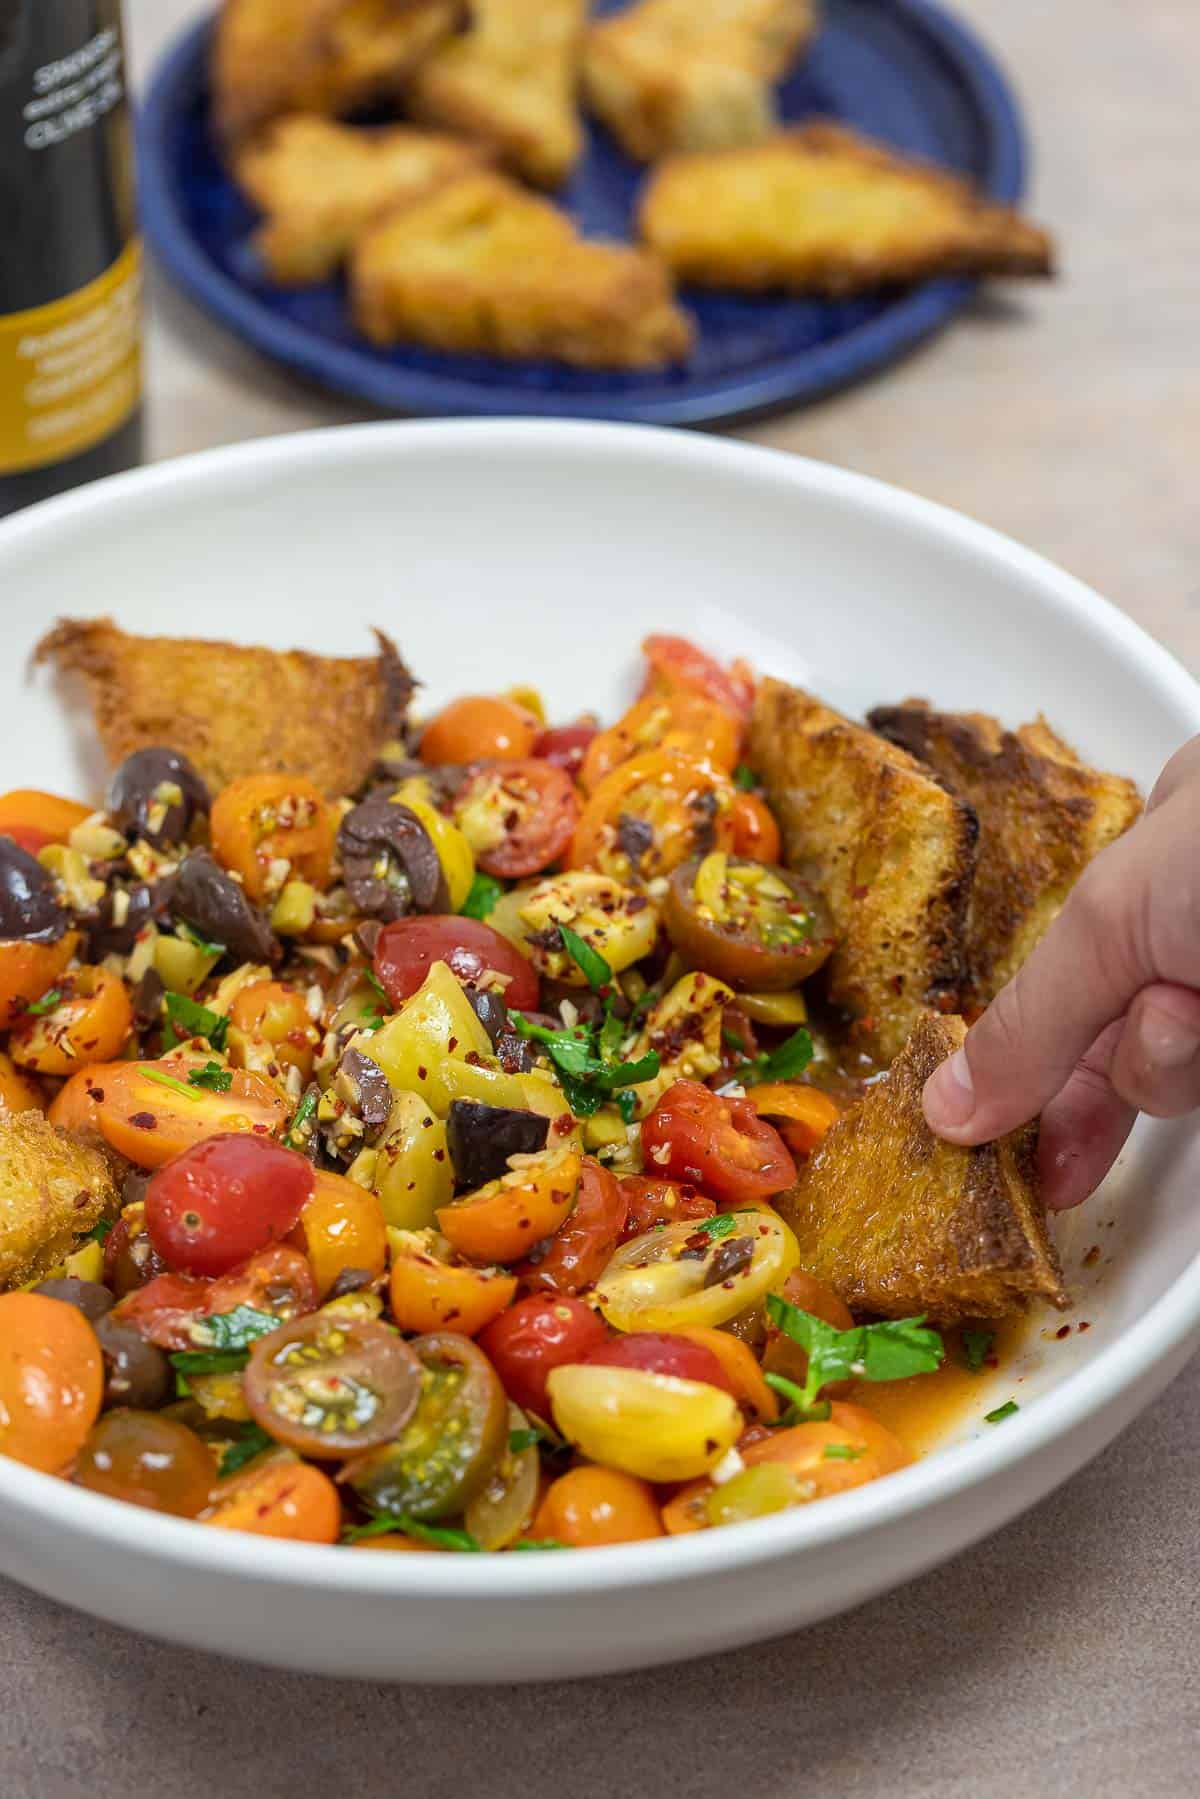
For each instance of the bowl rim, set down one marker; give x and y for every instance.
(1164, 1328)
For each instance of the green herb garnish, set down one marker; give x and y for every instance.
(205, 1361)
(538, 1543)
(791, 1058)
(590, 962)
(719, 1225)
(186, 1017)
(300, 1117)
(168, 1080)
(1001, 1412)
(47, 1003)
(212, 1076)
(239, 1328)
(251, 1442)
(192, 936)
(895, 1349)
(843, 1452)
(442, 1536)
(796, 1410)
(587, 1076)
(482, 898)
(976, 1347)
(99, 1231)
(373, 980)
(521, 1440)
(626, 1104)
(744, 777)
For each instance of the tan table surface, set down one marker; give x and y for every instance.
(1061, 1656)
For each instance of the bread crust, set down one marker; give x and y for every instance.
(53, 1189)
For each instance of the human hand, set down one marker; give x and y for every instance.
(1103, 1020)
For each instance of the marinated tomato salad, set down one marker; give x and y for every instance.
(443, 1124)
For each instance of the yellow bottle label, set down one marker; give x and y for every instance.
(70, 372)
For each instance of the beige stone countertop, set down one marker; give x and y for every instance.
(1061, 1656)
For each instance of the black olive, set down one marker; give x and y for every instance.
(350, 1280)
(29, 907)
(366, 1088)
(490, 1010)
(133, 1187)
(210, 900)
(147, 998)
(141, 795)
(481, 1139)
(88, 1297)
(147, 905)
(366, 935)
(515, 1053)
(729, 1259)
(136, 1373)
(390, 863)
(635, 836)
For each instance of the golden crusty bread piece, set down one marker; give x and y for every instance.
(819, 210)
(485, 266)
(693, 74)
(511, 81)
(898, 1222)
(893, 852)
(52, 1190)
(236, 710)
(320, 183)
(330, 56)
(1043, 814)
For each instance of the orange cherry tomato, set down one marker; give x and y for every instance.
(28, 814)
(76, 1105)
(27, 970)
(739, 1367)
(429, 1294)
(480, 728)
(259, 821)
(282, 1497)
(503, 1220)
(90, 1023)
(755, 833)
(863, 1450)
(147, 1459)
(589, 1507)
(150, 1113)
(675, 663)
(18, 1093)
(651, 813)
(681, 721)
(51, 1380)
(342, 1226)
(650, 1201)
(800, 1114)
(270, 1024)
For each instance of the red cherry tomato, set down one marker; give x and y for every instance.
(566, 745)
(221, 1200)
(533, 1337)
(580, 1248)
(674, 662)
(277, 1280)
(518, 817)
(720, 1144)
(661, 1352)
(652, 1202)
(407, 949)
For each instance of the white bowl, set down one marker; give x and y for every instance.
(502, 552)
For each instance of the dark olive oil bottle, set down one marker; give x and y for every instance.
(70, 256)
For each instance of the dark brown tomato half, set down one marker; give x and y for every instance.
(752, 924)
(329, 1386)
(448, 1450)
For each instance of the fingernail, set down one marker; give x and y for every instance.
(950, 1093)
(1167, 1041)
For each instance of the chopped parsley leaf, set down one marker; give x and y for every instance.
(744, 777)
(791, 1058)
(587, 1077)
(796, 1411)
(251, 1442)
(212, 1076)
(894, 1349)
(482, 898)
(538, 1543)
(719, 1225)
(1001, 1412)
(99, 1231)
(976, 1347)
(300, 1117)
(192, 936)
(39, 1007)
(626, 1104)
(373, 980)
(168, 1080)
(442, 1536)
(521, 1440)
(590, 962)
(205, 1361)
(186, 1017)
(239, 1328)
(843, 1452)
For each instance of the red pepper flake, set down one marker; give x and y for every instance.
(1083, 1325)
(422, 1073)
(451, 1045)
(1092, 1256)
(1064, 1330)
(144, 1121)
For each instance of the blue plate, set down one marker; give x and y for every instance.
(900, 70)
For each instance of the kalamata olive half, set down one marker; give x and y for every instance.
(136, 1373)
(490, 1010)
(91, 1298)
(155, 794)
(481, 1138)
(364, 1086)
(211, 901)
(29, 908)
(143, 904)
(390, 863)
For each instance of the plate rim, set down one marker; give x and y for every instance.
(786, 382)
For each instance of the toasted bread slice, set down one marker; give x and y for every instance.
(898, 1222)
(52, 1190)
(1043, 814)
(693, 74)
(321, 183)
(819, 210)
(326, 56)
(510, 80)
(236, 710)
(484, 266)
(893, 852)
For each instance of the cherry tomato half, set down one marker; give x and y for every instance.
(535, 1335)
(566, 745)
(267, 827)
(479, 728)
(278, 1498)
(755, 832)
(675, 663)
(652, 1202)
(580, 1248)
(650, 814)
(683, 721)
(661, 1352)
(518, 817)
(148, 1460)
(341, 1227)
(150, 1112)
(720, 1144)
(746, 922)
(51, 1380)
(802, 1114)
(171, 1308)
(588, 1507)
(27, 814)
(429, 1292)
(330, 1385)
(223, 1199)
(89, 1023)
(29, 970)
(408, 948)
(501, 1221)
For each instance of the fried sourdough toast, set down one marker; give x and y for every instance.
(898, 1222)
(320, 183)
(485, 266)
(819, 210)
(328, 56)
(511, 80)
(892, 850)
(52, 1189)
(693, 74)
(236, 710)
(1043, 814)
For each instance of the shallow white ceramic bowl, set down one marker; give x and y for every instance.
(499, 553)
